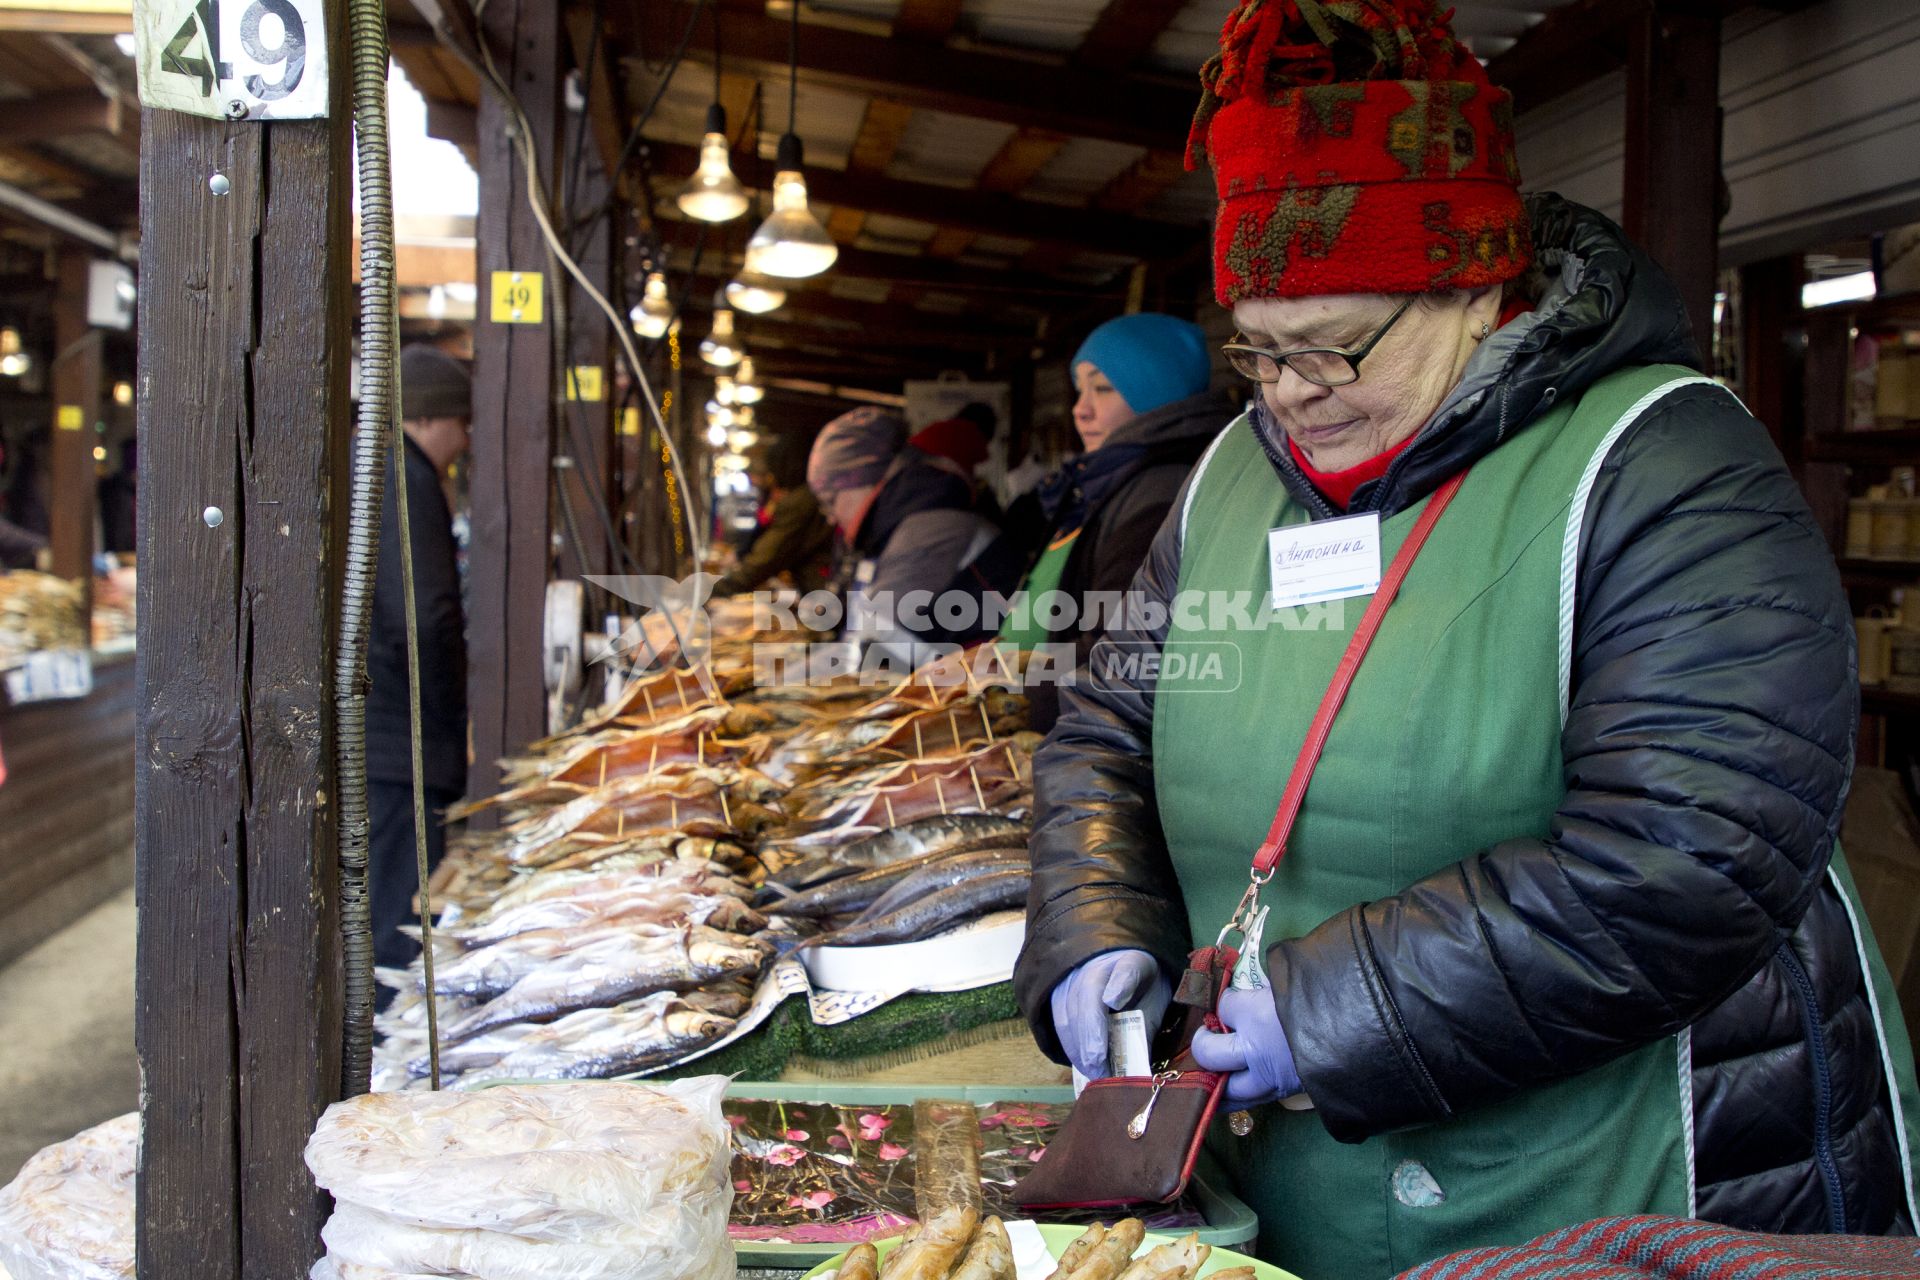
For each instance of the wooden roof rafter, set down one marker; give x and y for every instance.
(1002, 86)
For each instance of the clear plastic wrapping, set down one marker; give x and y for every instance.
(590, 1179)
(69, 1213)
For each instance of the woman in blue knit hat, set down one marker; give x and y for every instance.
(1144, 415)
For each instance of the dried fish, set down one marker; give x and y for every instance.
(1110, 1257)
(613, 969)
(861, 1263)
(995, 891)
(931, 1254)
(945, 874)
(1179, 1260)
(854, 892)
(592, 1043)
(990, 1257)
(952, 832)
(1077, 1252)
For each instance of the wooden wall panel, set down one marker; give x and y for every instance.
(66, 809)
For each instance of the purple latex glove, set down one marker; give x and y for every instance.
(1111, 981)
(1254, 1052)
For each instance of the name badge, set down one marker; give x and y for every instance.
(1325, 560)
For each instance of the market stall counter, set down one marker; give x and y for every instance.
(66, 740)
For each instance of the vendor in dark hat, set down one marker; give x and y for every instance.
(436, 407)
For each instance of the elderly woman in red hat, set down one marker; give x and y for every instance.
(1561, 928)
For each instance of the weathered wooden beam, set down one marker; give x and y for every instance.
(1047, 93)
(932, 20)
(1142, 182)
(1034, 286)
(606, 100)
(76, 399)
(881, 129)
(1019, 160)
(982, 211)
(453, 122)
(1125, 32)
(55, 20)
(1577, 43)
(1672, 182)
(243, 408)
(513, 402)
(585, 431)
(58, 115)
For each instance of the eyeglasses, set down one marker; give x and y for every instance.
(1322, 366)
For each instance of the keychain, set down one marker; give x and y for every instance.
(1249, 975)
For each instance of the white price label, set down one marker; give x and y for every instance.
(51, 674)
(233, 59)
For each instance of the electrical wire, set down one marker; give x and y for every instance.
(424, 872)
(536, 202)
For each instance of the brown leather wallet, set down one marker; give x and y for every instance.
(1096, 1161)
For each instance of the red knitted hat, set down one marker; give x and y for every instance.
(1357, 147)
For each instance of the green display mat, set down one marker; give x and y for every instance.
(898, 1027)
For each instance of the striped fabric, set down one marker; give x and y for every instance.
(1655, 1248)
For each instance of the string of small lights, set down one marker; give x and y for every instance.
(666, 457)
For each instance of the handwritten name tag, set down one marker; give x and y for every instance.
(1326, 560)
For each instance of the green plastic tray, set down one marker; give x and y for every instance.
(1229, 1222)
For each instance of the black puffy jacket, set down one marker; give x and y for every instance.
(1707, 757)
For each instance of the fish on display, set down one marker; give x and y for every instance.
(947, 872)
(936, 912)
(855, 892)
(636, 902)
(633, 806)
(656, 698)
(589, 1044)
(616, 968)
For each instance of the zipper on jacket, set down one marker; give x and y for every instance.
(1822, 1090)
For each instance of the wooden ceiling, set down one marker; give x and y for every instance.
(69, 130)
(998, 174)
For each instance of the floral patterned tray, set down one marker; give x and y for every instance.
(817, 1166)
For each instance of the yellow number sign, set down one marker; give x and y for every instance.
(71, 417)
(517, 297)
(586, 382)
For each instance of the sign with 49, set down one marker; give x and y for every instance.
(233, 59)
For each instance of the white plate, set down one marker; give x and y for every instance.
(973, 955)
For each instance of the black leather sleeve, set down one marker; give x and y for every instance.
(1101, 878)
(1708, 749)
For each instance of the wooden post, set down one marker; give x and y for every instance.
(244, 416)
(1673, 185)
(1773, 333)
(76, 408)
(513, 403)
(586, 432)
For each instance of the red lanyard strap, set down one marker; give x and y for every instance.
(1268, 856)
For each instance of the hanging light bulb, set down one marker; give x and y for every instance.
(743, 417)
(791, 244)
(716, 434)
(654, 312)
(722, 414)
(754, 294)
(713, 194)
(13, 361)
(745, 389)
(725, 391)
(720, 348)
(740, 440)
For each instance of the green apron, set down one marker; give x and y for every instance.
(1448, 742)
(1025, 626)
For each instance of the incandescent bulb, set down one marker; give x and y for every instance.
(713, 194)
(654, 313)
(755, 295)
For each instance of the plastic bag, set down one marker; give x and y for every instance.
(69, 1213)
(596, 1180)
(611, 1252)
